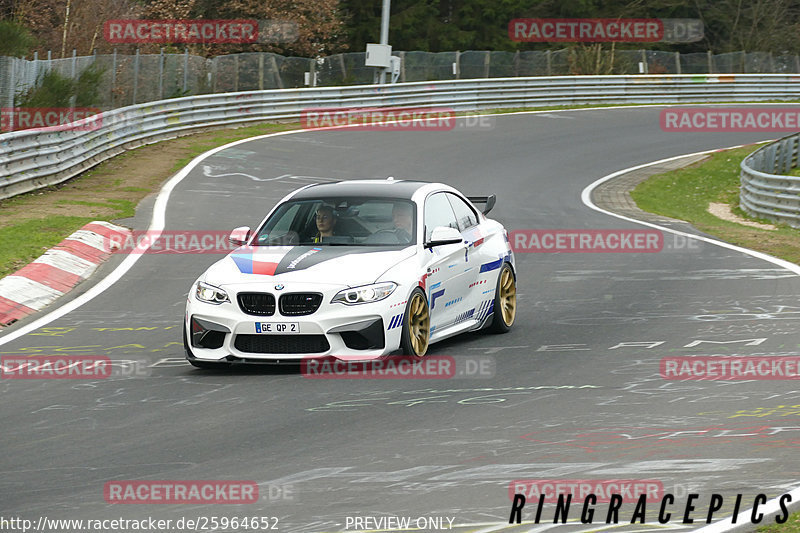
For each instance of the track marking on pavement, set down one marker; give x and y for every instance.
(158, 220)
(157, 224)
(772, 506)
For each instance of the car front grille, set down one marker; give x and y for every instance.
(299, 303)
(257, 303)
(283, 344)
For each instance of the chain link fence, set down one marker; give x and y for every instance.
(136, 78)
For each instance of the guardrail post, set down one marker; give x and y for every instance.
(236, 73)
(185, 70)
(547, 59)
(161, 74)
(710, 62)
(487, 58)
(402, 66)
(677, 62)
(261, 71)
(13, 84)
(135, 75)
(113, 76)
(276, 72)
(214, 61)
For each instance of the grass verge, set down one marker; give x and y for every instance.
(685, 194)
(33, 222)
(792, 525)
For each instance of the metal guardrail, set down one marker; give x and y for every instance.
(32, 159)
(765, 192)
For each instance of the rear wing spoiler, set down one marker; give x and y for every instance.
(488, 200)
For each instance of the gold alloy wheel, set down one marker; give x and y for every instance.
(418, 323)
(508, 297)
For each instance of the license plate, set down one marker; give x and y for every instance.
(277, 327)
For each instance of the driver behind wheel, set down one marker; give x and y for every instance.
(326, 223)
(403, 219)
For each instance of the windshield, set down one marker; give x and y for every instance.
(341, 221)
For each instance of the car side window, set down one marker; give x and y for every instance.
(465, 215)
(438, 212)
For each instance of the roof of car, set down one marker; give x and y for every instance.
(373, 188)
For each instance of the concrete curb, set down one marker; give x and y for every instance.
(57, 271)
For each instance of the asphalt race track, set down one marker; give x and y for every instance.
(576, 391)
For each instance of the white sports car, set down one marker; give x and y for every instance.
(354, 270)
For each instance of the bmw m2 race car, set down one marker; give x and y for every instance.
(354, 270)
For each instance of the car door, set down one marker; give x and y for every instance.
(447, 279)
(474, 255)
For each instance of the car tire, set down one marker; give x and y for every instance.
(416, 324)
(505, 300)
(193, 361)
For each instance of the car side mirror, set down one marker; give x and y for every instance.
(442, 235)
(239, 236)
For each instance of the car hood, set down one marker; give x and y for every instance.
(348, 266)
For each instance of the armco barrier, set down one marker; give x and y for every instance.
(31, 159)
(765, 192)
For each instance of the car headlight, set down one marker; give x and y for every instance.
(210, 294)
(365, 293)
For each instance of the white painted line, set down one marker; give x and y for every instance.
(63, 260)
(157, 223)
(586, 197)
(494, 527)
(27, 292)
(159, 214)
(95, 240)
(110, 226)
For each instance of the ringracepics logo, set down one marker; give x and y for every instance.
(586, 241)
(180, 492)
(605, 30)
(705, 119)
(399, 367)
(663, 508)
(393, 119)
(240, 31)
(50, 118)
